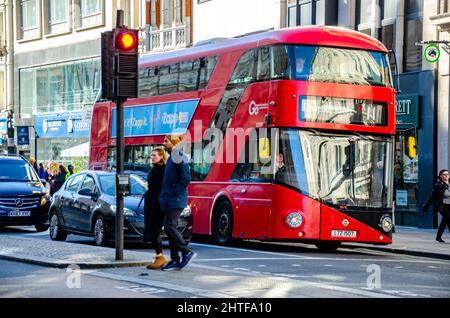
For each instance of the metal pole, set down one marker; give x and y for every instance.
(119, 170)
(120, 156)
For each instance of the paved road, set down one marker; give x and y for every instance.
(253, 269)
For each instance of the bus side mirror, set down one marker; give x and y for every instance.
(264, 148)
(412, 147)
(396, 75)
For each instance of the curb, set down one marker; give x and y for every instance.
(402, 251)
(42, 261)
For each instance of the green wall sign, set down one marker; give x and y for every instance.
(407, 110)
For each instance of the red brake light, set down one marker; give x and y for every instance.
(126, 41)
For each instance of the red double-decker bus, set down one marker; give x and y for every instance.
(312, 116)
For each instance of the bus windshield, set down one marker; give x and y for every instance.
(351, 171)
(339, 65)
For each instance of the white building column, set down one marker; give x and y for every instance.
(165, 7)
(153, 14)
(280, 14)
(176, 13)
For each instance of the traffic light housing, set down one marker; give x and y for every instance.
(119, 49)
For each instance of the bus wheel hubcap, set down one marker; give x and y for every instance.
(223, 225)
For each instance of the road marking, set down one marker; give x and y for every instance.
(156, 284)
(432, 267)
(142, 290)
(399, 267)
(241, 269)
(243, 259)
(355, 291)
(328, 265)
(401, 293)
(296, 265)
(404, 259)
(261, 265)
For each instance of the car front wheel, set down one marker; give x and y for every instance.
(100, 234)
(57, 233)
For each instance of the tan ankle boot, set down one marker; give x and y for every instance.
(159, 262)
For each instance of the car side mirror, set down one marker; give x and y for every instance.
(44, 182)
(86, 192)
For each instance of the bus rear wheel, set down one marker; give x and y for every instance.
(327, 246)
(222, 227)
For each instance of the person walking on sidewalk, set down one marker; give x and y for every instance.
(153, 216)
(173, 199)
(440, 197)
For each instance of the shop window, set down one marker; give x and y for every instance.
(406, 172)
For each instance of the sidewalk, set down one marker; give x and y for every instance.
(62, 254)
(413, 241)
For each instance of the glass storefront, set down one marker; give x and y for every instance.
(59, 87)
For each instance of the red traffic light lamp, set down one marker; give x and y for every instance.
(126, 40)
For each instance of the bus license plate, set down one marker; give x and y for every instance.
(19, 213)
(342, 233)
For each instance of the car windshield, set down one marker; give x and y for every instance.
(341, 170)
(138, 184)
(15, 170)
(339, 65)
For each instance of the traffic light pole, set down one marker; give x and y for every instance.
(120, 156)
(120, 55)
(120, 153)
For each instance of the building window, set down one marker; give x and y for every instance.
(58, 16)
(29, 18)
(412, 60)
(90, 12)
(364, 16)
(58, 88)
(444, 6)
(301, 12)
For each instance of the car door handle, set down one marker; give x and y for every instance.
(244, 191)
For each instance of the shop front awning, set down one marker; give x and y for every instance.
(76, 151)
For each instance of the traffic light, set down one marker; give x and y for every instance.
(119, 63)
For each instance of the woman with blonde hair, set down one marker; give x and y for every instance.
(153, 216)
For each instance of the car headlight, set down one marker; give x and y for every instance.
(294, 220)
(126, 212)
(386, 223)
(186, 212)
(43, 201)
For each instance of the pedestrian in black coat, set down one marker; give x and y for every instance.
(440, 197)
(59, 180)
(154, 217)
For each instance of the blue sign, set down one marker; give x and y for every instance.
(156, 119)
(3, 125)
(23, 136)
(62, 125)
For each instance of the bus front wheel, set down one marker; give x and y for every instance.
(327, 246)
(222, 228)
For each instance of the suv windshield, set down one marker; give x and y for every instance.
(341, 170)
(338, 65)
(17, 170)
(138, 184)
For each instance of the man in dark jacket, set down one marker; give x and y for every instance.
(173, 199)
(440, 198)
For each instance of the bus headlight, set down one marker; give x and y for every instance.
(386, 223)
(294, 220)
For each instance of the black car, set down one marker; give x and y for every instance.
(86, 205)
(24, 198)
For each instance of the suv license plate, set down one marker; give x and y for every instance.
(342, 233)
(19, 213)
